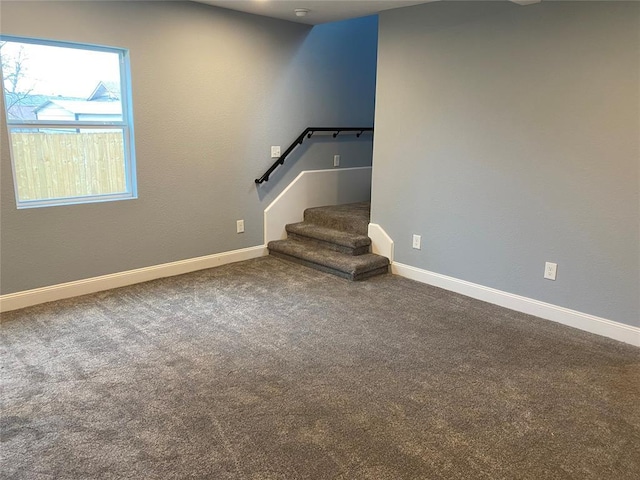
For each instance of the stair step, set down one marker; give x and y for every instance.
(336, 240)
(347, 266)
(352, 217)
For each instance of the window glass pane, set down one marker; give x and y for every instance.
(59, 163)
(46, 82)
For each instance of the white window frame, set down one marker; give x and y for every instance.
(125, 125)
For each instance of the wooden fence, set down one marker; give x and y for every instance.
(68, 164)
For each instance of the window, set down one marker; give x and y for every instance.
(68, 111)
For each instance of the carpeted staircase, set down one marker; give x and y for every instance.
(333, 239)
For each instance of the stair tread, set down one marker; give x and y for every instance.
(326, 234)
(349, 264)
(351, 217)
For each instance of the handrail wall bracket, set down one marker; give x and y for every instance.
(308, 132)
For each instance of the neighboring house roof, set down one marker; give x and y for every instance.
(21, 112)
(80, 107)
(102, 101)
(22, 106)
(105, 91)
(30, 100)
(24, 99)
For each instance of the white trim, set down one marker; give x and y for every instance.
(381, 243)
(583, 321)
(315, 188)
(27, 298)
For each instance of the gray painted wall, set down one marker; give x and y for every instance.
(234, 84)
(508, 136)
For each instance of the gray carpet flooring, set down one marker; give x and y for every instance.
(269, 370)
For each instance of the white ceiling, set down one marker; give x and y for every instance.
(320, 11)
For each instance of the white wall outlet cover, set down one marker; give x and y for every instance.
(275, 151)
(240, 226)
(336, 160)
(550, 270)
(417, 239)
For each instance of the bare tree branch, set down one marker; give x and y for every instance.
(14, 68)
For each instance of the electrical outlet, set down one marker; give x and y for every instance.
(416, 241)
(240, 226)
(336, 160)
(550, 270)
(275, 151)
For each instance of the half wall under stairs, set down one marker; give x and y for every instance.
(333, 239)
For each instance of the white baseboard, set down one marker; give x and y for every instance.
(583, 321)
(381, 243)
(27, 298)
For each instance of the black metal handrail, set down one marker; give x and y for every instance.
(308, 132)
